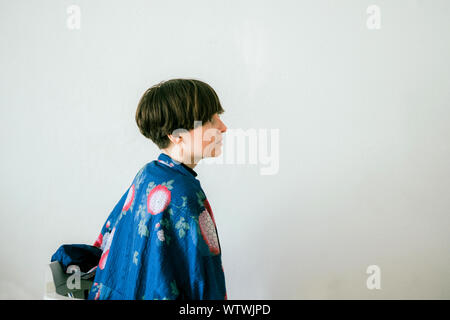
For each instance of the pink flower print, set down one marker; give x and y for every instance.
(98, 242)
(157, 225)
(208, 208)
(103, 259)
(108, 224)
(158, 199)
(104, 256)
(97, 295)
(208, 231)
(130, 198)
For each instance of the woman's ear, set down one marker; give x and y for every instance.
(175, 139)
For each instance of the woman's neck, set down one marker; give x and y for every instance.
(171, 154)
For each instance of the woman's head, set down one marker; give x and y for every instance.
(182, 117)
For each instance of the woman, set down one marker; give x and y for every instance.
(160, 241)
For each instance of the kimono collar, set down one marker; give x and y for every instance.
(168, 161)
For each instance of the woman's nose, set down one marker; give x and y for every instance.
(223, 127)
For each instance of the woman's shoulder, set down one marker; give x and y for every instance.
(152, 175)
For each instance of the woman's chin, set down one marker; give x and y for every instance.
(217, 151)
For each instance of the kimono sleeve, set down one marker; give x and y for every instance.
(188, 264)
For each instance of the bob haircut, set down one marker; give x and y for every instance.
(175, 104)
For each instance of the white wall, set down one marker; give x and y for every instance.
(364, 136)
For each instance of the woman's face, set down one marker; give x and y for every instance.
(212, 137)
(206, 140)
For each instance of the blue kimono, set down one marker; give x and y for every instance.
(160, 241)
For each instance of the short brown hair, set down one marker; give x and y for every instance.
(175, 104)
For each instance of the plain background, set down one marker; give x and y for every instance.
(364, 136)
